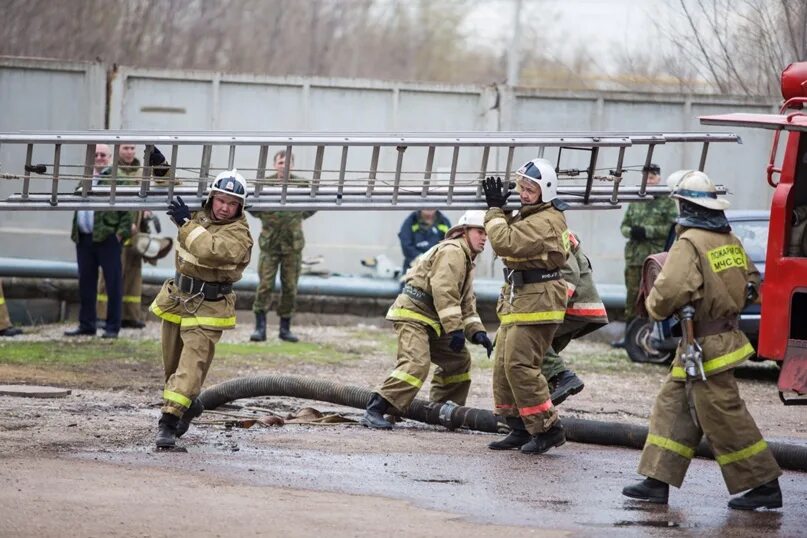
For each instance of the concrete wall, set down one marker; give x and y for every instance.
(179, 100)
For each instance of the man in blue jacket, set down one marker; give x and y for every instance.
(421, 231)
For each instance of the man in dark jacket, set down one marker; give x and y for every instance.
(419, 232)
(98, 236)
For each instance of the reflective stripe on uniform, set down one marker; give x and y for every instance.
(190, 258)
(515, 317)
(193, 321)
(567, 243)
(470, 320)
(570, 289)
(458, 378)
(407, 378)
(449, 311)
(745, 453)
(672, 446)
(443, 228)
(103, 298)
(722, 361)
(587, 309)
(176, 397)
(535, 409)
(194, 235)
(405, 313)
(167, 316)
(2, 300)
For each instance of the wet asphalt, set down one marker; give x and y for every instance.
(576, 487)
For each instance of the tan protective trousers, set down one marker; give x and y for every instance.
(187, 354)
(5, 321)
(519, 387)
(743, 455)
(132, 267)
(418, 347)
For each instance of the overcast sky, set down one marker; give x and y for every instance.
(606, 26)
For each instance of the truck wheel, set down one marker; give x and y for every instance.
(639, 345)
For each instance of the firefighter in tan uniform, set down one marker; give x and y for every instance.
(6, 328)
(433, 315)
(212, 250)
(708, 269)
(585, 313)
(534, 245)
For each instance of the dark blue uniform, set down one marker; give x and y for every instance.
(417, 237)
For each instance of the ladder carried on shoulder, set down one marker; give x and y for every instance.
(341, 171)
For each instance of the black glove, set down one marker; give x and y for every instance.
(495, 193)
(481, 338)
(156, 158)
(637, 233)
(179, 212)
(457, 341)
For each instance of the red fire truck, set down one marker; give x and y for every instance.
(783, 324)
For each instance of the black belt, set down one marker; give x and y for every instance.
(530, 276)
(417, 294)
(210, 290)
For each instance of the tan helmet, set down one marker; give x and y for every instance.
(696, 187)
(151, 248)
(675, 177)
(473, 218)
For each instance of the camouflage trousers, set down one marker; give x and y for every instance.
(5, 321)
(553, 363)
(132, 266)
(187, 355)
(289, 264)
(744, 457)
(633, 277)
(419, 347)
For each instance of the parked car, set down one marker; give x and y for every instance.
(649, 341)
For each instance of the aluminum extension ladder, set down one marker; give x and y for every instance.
(347, 171)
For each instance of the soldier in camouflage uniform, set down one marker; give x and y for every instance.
(281, 243)
(646, 225)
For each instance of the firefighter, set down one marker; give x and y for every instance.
(212, 250)
(6, 328)
(433, 315)
(708, 269)
(585, 313)
(533, 243)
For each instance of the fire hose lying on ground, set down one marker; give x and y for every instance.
(454, 416)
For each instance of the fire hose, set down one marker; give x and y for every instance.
(453, 416)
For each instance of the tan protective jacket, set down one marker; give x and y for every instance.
(708, 270)
(213, 252)
(584, 299)
(534, 238)
(446, 272)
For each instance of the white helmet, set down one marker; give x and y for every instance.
(542, 173)
(229, 182)
(473, 218)
(675, 177)
(696, 187)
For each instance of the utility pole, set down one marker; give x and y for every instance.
(513, 53)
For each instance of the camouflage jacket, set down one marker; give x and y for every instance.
(106, 223)
(282, 231)
(655, 216)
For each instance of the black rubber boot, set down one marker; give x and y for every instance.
(650, 490)
(517, 437)
(193, 411)
(285, 331)
(374, 415)
(765, 496)
(167, 431)
(10, 331)
(540, 443)
(260, 328)
(563, 385)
